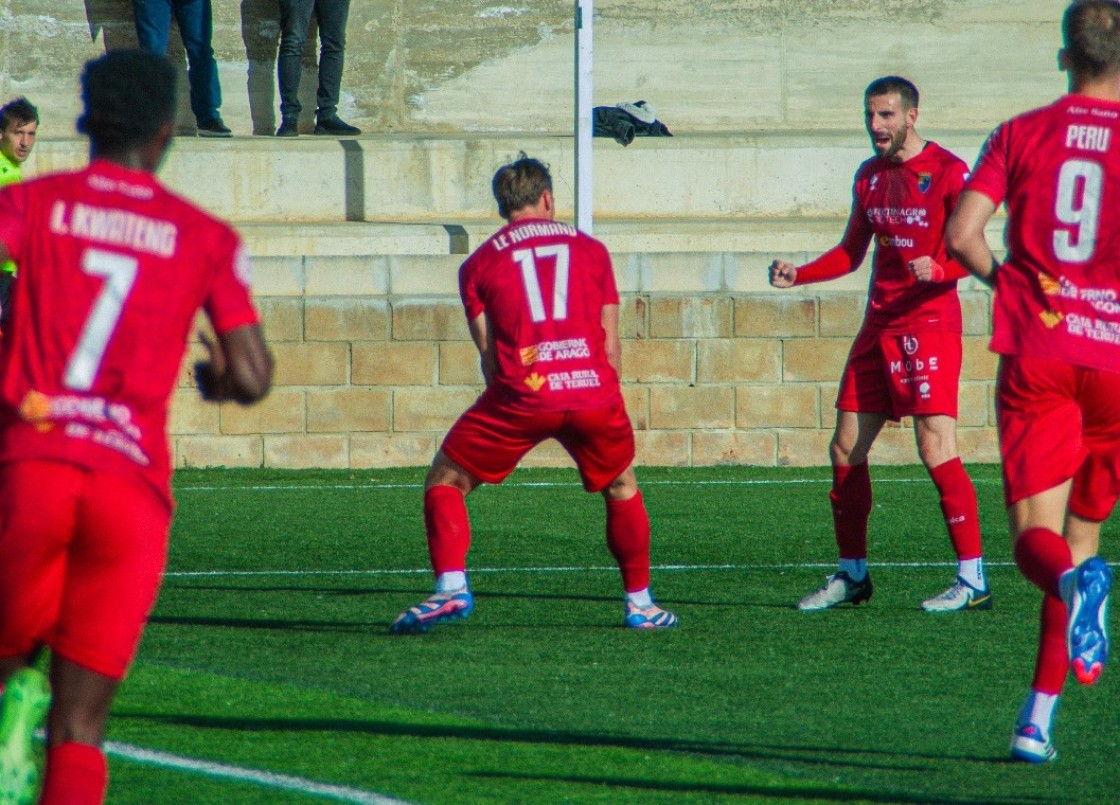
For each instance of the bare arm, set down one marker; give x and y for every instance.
(613, 343)
(480, 332)
(965, 239)
(239, 368)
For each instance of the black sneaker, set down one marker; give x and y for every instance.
(214, 128)
(288, 128)
(337, 127)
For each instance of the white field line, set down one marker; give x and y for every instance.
(417, 571)
(553, 484)
(267, 779)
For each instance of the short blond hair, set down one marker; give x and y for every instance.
(520, 184)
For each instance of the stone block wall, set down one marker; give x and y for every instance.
(709, 378)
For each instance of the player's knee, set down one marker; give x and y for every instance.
(75, 726)
(844, 454)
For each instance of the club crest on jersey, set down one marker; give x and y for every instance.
(909, 344)
(534, 381)
(924, 181)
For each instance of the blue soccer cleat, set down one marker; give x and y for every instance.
(26, 699)
(1087, 627)
(1031, 745)
(651, 617)
(436, 609)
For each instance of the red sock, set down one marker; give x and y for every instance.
(851, 506)
(449, 528)
(958, 504)
(77, 774)
(1043, 556)
(1052, 664)
(628, 539)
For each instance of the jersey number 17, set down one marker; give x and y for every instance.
(527, 259)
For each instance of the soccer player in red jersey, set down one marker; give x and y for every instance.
(1056, 327)
(542, 308)
(906, 359)
(113, 270)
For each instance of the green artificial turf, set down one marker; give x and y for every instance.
(269, 651)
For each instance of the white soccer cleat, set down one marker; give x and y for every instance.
(961, 597)
(838, 589)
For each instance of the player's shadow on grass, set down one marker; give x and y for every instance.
(265, 623)
(844, 757)
(783, 792)
(419, 592)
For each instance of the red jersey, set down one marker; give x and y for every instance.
(543, 285)
(1058, 295)
(903, 208)
(113, 270)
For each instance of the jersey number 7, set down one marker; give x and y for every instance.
(119, 271)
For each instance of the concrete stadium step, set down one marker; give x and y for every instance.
(801, 237)
(777, 235)
(682, 256)
(446, 179)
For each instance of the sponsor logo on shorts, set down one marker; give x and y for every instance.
(912, 365)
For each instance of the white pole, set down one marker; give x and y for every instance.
(584, 48)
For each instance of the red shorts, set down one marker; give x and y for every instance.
(902, 375)
(81, 558)
(1057, 422)
(489, 440)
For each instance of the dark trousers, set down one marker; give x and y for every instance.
(295, 20)
(196, 25)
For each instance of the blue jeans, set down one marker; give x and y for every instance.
(295, 19)
(196, 25)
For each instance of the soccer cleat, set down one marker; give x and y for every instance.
(438, 608)
(961, 597)
(651, 617)
(1087, 627)
(838, 589)
(1031, 745)
(26, 700)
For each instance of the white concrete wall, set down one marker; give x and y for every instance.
(481, 65)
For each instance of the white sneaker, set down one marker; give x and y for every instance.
(960, 597)
(838, 589)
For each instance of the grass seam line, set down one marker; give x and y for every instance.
(267, 779)
(567, 569)
(549, 484)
